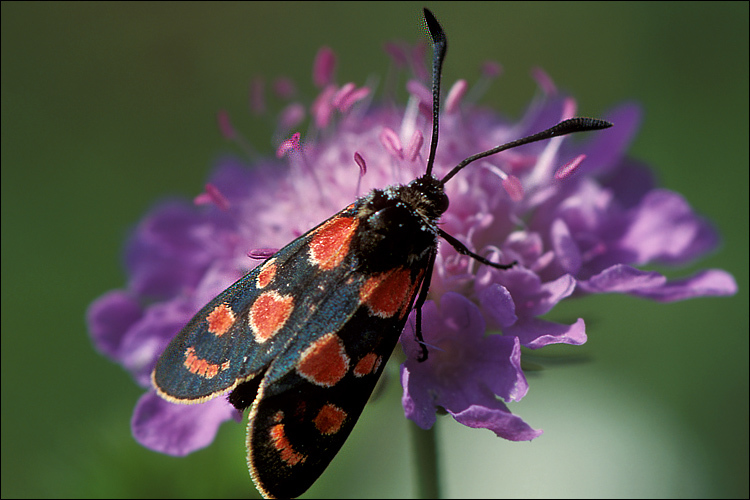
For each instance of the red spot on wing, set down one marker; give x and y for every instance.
(367, 365)
(330, 243)
(269, 313)
(220, 319)
(282, 444)
(324, 362)
(388, 293)
(266, 275)
(329, 419)
(202, 367)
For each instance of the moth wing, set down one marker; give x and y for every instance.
(239, 333)
(302, 417)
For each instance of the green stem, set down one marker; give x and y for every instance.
(425, 461)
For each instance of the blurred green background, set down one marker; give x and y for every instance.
(108, 107)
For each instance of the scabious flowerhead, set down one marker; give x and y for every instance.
(575, 216)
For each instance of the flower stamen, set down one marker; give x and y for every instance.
(570, 167)
(455, 94)
(212, 195)
(324, 67)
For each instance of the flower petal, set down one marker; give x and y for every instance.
(149, 336)
(623, 279)
(498, 419)
(565, 247)
(708, 283)
(497, 301)
(502, 367)
(172, 248)
(535, 333)
(109, 318)
(464, 367)
(551, 293)
(606, 148)
(177, 429)
(419, 406)
(666, 229)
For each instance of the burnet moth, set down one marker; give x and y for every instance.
(302, 339)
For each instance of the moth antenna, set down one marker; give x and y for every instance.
(439, 46)
(565, 127)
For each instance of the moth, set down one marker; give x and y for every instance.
(302, 339)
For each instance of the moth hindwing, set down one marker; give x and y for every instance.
(302, 339)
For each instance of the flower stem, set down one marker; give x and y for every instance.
(426, 461)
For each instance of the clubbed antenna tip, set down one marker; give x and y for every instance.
(565, 127)
(439, 47)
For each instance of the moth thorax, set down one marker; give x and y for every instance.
(394, 229)
(426, 195)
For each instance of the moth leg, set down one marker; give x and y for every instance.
(461, 248)
(418, 306)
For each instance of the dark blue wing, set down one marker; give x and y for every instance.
(237, 335)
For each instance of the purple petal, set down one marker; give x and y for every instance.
(630, 182)
(666, 229)
(499, 420)
(538, 117)
(535, 333)
(551, 293)
(623, 279)
(177, 429)
(109, 318)
(530, 296)
(497, 302)
(237, 182)
(523, 284)
(419, 405)
(709, 283)
(171, 249)
(464, 367)
(567, 251)
(606, 148)
(462, 315)
(527, 246)
(148, 337)
(501, 369)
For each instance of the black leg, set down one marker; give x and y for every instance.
(461, 248)
(418, 306)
